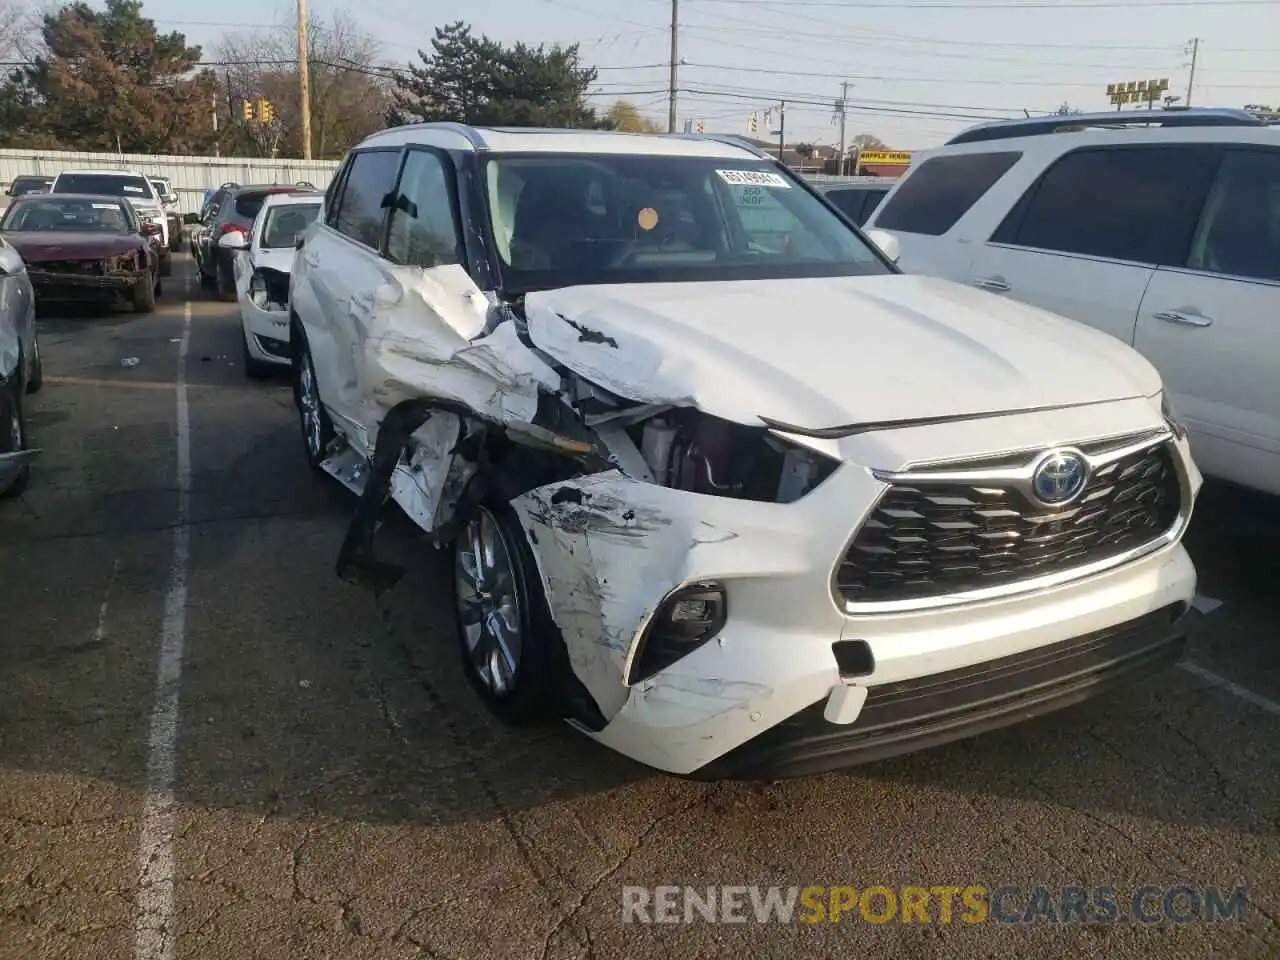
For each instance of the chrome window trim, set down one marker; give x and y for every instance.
(945, 472)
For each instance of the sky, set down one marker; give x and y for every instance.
(919, 70)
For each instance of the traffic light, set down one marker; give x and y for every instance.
(247, 107)
(266, 113)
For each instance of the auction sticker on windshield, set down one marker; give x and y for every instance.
(753, 178)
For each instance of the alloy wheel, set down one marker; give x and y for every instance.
(488, 603)
(309, 404)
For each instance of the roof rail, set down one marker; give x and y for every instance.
(728, 141)
(1055, 123)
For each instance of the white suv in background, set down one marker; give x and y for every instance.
(1160, 228)
(723, 486)
(134, 187)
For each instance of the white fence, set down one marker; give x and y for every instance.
(190, 176)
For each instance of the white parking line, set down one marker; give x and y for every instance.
(154, 931)
(1248, 696)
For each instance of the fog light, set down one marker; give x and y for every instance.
(683, 622)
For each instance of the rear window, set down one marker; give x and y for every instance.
(24, 185)
(941, 190)
(248, 204)
(106, 185)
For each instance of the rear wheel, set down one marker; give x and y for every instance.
(207, 281)
(505, 636)
(317, 430)
(226, 281)
(13, 438)
(166, 263)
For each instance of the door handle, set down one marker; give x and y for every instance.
(994, 284)
(1187, 319)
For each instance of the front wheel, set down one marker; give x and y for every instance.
(13, 438)
(317, 430)
(36, 380)
(505, 636)
(144, 296)
(166, 264)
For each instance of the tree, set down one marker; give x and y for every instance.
(866, 141)
(349, 91)
(1066, 110)
(624, 115)
(108, 81)
(804, 150)
(476, 80)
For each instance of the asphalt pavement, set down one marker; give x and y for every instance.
(205, 734)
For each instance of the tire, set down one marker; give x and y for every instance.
(13, 437)
(526, 693)
(226, 281)
(254, 368)
(157, 288)
(166, 263)
(144, 296)
(317, 433)
(36, 380)
(206, 282)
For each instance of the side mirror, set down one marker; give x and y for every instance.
(233, 240)
(887, 243)
(299, 240)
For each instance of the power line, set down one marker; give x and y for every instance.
(993, 4)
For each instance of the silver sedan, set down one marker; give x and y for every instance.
(20, 370)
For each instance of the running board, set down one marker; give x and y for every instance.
(348, 467)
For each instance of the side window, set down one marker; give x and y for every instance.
(1119, 203)
(361, 212)
(1239, 231)
(935, 195)
(333, 195)
(423, 232)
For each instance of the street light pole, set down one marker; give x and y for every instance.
(304, 85)
(675, 66)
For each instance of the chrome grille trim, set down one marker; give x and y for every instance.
(995, 475)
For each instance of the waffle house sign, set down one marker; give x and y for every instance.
(1137, 91)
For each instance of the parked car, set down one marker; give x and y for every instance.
(29, 183)
(21, 372)
(263, 261)
(857, 200)
(232, 209)
(172, 212)
(133, 187)
(723, 486)
(85, 249)
(1159, 228)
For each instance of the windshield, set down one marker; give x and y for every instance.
(50, 213)
(563, 220)
(106, 185)
(285, 222)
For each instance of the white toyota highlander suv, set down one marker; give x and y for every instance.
(1161, 228)
(724, 488)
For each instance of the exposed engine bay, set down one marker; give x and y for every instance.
(269, 289)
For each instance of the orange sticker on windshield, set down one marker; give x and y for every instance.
(648, 218)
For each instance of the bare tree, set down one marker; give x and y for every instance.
(349, 89)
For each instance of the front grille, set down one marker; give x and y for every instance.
(77, 267)
(930, 539)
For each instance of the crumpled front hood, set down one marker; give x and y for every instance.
(38, 245)
(826, 352)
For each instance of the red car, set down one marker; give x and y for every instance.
(85, 249)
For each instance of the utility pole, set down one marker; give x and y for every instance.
(782, 128)
(1194, 51)
(304, 85)
(216, 151)
(675, 66)
(844, 96)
